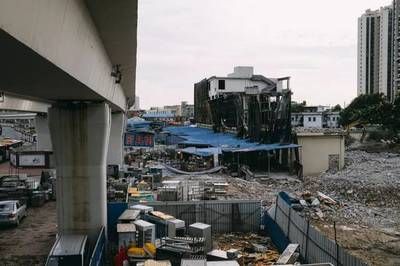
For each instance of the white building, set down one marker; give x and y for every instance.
(315, 119)
(159, 114)
(174, 109)
(375, 54)
(332, 119)
(396, 47)
(241, 79)
(136, 106)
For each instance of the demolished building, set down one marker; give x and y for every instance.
(252, 106)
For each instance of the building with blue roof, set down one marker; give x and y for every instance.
(234, 151)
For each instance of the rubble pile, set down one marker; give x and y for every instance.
(265, 191)
(254, 249)
(368, 194)
(363, 167)
(319, 206)
(369, 178)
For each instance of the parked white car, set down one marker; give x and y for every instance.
(12, 212)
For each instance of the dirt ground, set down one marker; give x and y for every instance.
(31, 241)
(376, 247)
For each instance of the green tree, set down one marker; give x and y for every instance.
(367, 109)
(298, 107)
(337, 108)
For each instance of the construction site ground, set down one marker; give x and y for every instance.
(367, 213)
(31, 241)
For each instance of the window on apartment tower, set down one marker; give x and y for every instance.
(309, 119)
(313, 119)
(221, 84)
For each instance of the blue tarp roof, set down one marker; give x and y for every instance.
(202, 151)
(137, 123)
(225, 141)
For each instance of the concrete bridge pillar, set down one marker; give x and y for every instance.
(80, 134)
(43, 139)
(116, 144)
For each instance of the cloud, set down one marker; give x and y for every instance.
(313, 41)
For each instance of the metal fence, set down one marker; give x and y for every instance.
(98, 255)
(223, 216)
(314, 246)
(114, 210)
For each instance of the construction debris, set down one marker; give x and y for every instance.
(289, 255)
(251, 249)
(315, 207)
(325, 198)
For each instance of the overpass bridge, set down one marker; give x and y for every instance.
(73, 62)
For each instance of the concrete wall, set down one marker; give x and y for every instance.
(63, 33)
(332, 120)
(115, 145)
(296, 119)
(80, 134)
(43, 133)
(14, 103)
(242, 72)
(312, 120)
(316, 149)
(233, 85)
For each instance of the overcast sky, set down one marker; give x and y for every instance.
(181, 42)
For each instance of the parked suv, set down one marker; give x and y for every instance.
(12, 212)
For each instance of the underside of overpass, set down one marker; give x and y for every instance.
(76, 61)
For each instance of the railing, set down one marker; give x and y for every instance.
(98, 255)
(224, 216)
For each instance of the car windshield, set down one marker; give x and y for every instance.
(4, 207)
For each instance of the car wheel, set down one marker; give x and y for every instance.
(17, 222)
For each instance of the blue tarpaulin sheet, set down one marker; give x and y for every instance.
(226, 141)
(203, 152)
(209, 171)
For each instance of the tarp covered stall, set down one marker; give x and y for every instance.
(235, 152)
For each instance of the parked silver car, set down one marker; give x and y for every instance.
(12, 212)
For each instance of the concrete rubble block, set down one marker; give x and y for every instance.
(306, 195)
(289, 255)
(319, 213)
(232, 253)
(303, 203)
(326, 199)
(297, 207)
(315, 203)
(260, 248)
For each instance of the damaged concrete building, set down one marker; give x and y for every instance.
(253, 106)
